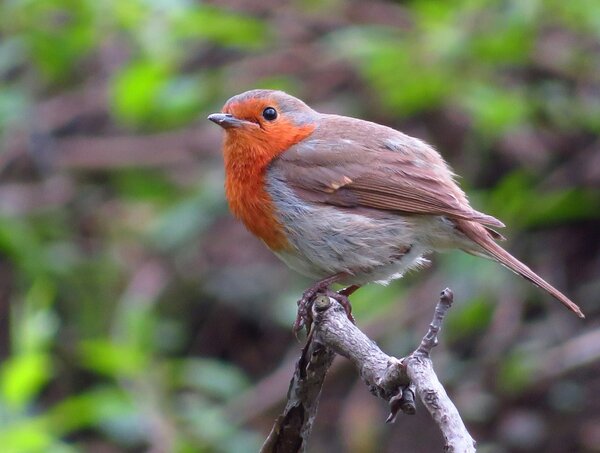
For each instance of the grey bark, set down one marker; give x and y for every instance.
(395, 380)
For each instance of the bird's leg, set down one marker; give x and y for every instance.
(304, 304)
(342, 296)
(349, 290)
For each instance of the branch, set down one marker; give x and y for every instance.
(291, 430)
(394, 380)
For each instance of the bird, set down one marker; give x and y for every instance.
(347, 201)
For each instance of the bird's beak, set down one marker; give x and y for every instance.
(227, 120)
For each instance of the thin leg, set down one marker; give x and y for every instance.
(349, 290)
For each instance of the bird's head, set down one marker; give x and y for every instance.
(266, 122)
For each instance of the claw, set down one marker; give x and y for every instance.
(304, 319)
(344, 302)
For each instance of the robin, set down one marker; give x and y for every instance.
(347, 201)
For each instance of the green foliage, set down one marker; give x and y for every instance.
(495, 110)
(116, 335)
(516, 372)
(463, 53)
(212, 377)
(468, 319)
(515, 199)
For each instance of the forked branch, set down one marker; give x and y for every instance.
(395, 380)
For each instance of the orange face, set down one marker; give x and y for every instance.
(260, 126)
(262, 112)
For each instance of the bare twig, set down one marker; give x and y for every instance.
(432, 393)
(292, 428)
(395, 380)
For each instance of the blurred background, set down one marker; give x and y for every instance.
(137, 315)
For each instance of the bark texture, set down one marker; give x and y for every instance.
(392, 379)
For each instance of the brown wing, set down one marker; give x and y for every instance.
(352, 163)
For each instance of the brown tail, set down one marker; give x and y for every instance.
(481, 237)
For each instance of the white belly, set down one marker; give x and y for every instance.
(328, 240)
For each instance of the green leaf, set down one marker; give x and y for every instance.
(222, 27)
(112, 359)
(516, 198)
(23, 376)
(99, 407)
(210, 376)
(148, 93)
(135, 89)
(405, 82)
(495, 109)
(141, 184)
(516, 372)
(29, 436)
(469, 318)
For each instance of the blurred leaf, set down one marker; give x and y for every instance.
(516, 198)
(226, 28)
(23, 376)
(405, 82)
(516, 372)
(56, 33)
(375, 300)
(112, 359)
(38, 324)
(29, 436)
(186, 219)
(89, 409)
(20, 243)
(504, 33)
(468, 318)
(144, 185)
(495, 109)
(579, 15)
(212, 377)
(210, 423)
(135, 89)
(148, 93)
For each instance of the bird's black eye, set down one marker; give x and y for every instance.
(269, 113)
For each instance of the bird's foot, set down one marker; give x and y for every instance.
(342, 297)
(304, 317)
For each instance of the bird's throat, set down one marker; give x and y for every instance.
(247, 157)
(245, 170)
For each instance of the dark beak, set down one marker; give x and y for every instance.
(226, 120)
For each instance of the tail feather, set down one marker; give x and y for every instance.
(478, 234)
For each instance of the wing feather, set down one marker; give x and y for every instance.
(368, 165)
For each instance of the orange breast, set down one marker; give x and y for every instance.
(246, 160)
(249, 201)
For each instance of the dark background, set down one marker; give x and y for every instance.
(137, 315)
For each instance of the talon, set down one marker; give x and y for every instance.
(342, 298)
(304, 319)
